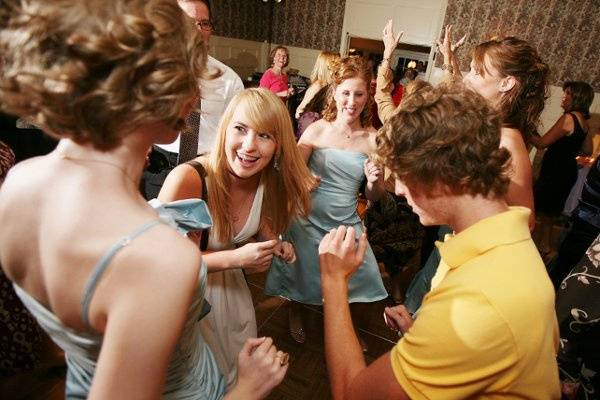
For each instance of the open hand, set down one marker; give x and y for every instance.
(390, 39)
(447, 48)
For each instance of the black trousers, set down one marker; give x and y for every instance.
(572, 249)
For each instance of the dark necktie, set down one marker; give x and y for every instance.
(188, 141)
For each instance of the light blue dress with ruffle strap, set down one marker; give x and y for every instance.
(333, 204)
(193, 371)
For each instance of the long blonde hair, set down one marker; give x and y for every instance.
(321, 72)
(287, 187)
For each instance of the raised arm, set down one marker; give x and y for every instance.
(451, 65)
(383, 91)
(348, 373)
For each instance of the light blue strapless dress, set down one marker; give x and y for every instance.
(333, 204)
(192, 373)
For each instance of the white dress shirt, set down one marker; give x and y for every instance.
(215, 96)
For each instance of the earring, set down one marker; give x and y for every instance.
(276, 163)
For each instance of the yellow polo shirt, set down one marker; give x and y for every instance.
(487, 329)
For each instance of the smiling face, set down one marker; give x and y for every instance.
(280, 58)
(248, 152)
(350, 97)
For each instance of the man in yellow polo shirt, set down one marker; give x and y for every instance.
(487, 329)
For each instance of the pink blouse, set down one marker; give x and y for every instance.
(275, 83)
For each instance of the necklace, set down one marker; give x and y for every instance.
(236, 215)
(64, 156)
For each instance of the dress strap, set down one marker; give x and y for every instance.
(103, 263)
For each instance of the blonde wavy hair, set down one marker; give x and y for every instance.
(287, 189)
(95, 70)
(321, 72)
(347, 68)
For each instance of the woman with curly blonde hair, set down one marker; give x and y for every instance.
(255, 182)
(337, 149)
(106, 275)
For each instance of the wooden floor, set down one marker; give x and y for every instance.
(307, 375)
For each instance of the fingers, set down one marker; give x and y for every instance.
(406, 319)
(362, 247)
(460, 42)
(267, 244)
(392, 318)
(251, 344)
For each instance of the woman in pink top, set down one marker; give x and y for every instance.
(275, 79)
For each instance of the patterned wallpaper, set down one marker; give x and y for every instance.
(242, 19)
(295, 22)
(309, 23)
(565, 32)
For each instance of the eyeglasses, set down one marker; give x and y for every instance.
(204, 24)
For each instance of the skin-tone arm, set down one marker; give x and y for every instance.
(520, 190)
(448, 50)
(383, 91)
(140, 328)
(562, 127)
(185, 183)
(350, 378)
(312, 90)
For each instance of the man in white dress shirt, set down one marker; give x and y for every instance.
(215, 96)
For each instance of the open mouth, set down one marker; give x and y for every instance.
(246, 160)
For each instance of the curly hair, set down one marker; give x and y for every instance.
(582, 96)
(95, 70)
(348, 68)
(520, 108)
(446, 135)
(321, 71)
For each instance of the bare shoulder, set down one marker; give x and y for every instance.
(372, 139)
(512, 140)
(314, 132)
(183, 182)
(161, 261)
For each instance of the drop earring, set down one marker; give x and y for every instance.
(276, 163)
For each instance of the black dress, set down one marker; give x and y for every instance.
(558, 172)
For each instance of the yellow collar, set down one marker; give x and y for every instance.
(505, 228)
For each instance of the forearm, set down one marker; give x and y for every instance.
(342, 350)
(374, 190)
(221, 260)
(383, 92)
